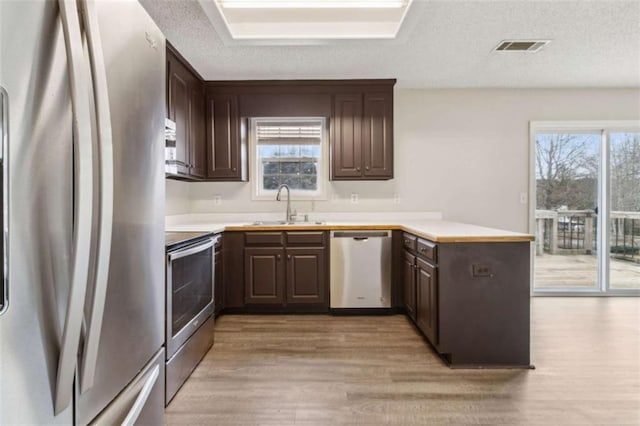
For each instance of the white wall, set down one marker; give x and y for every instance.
(177, 197)
(463, 152)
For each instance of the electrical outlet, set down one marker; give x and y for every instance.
(217, 200)
(396, 198)
(481, 270)
(354, 198)
(523, 198)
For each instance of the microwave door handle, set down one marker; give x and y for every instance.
(83, 208)
(192, 250)
(4, 161)
(105, 219)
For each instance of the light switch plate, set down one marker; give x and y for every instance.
(354, 198)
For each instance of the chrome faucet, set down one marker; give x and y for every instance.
(285, 186)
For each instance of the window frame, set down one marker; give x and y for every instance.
(258, 193)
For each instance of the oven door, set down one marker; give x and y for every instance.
(190, 272)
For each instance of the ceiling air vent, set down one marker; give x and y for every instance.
(521, 45)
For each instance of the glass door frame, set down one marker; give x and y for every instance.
(605, 128)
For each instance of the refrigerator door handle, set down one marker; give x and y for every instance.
(142, 398)
(105, 226)
(4, 162)
(83, 208)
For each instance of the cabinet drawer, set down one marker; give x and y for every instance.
(262, 238)
(427, 249)
(409, 241)
(315, 238)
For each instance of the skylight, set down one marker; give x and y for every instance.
(313, 19)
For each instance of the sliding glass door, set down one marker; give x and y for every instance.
(624, 218)
(587, 210)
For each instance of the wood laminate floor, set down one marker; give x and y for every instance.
(323, 370)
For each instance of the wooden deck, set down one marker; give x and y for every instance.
(576, 271)
(324, 370)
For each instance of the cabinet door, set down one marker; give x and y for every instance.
(263, 275)
(306, 275)
(225, 159)
(346, 142)
(409, 283)
(178, 103)
(377, 135)
(427, 300)
(197, 133)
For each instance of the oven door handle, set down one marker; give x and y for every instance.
(191, 250)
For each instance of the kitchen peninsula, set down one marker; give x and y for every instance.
(465, 287)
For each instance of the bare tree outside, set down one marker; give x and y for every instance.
(625, 172)
(566, 171)
(568, 225)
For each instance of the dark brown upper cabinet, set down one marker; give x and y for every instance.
(377, 135)
(362, 136)
(226, 148)
(185, 106)
(178, 109)
(347, 136)
(197, 133)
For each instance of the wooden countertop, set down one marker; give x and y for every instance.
(440, 231)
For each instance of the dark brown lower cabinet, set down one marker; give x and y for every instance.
(284, 272)
(306, 279)
(263, 275)
(426, 312)
(409, 283)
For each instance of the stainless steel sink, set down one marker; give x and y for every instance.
(283, 223)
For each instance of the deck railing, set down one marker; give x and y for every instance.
(575, 232)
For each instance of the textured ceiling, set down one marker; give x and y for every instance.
(443, 44)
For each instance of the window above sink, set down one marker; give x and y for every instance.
(292, 151)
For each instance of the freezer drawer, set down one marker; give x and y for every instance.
(142, 401)
(360, 269)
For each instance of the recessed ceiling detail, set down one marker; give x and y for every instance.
(521, 45)
(312, 19)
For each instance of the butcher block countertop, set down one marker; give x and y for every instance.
(440, 231)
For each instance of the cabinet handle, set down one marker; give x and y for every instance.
(422, 249)
(278, 257)
(288, 257)
(367, 168)
(234, 169)
(407, 242)
(357, 169)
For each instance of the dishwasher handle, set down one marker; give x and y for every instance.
(360, 235)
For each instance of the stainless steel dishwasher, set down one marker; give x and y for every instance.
(360, 269)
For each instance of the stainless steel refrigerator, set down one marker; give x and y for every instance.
(83, 107)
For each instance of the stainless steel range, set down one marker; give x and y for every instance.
(189, 285)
